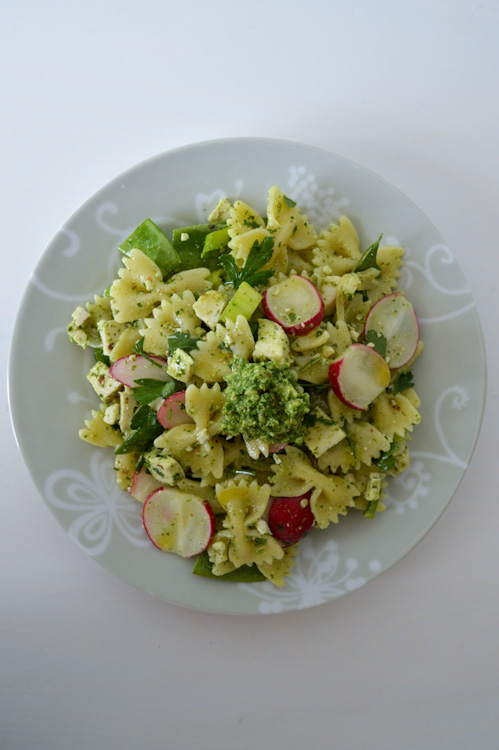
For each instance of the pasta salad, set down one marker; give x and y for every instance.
(254, 379)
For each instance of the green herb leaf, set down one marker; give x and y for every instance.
(311, 419)
(259, 256)
(101, 357)
(140, 440)
(148, 390)
(139, 349)
(288, 201)
(144, 417)
(183, 341)
(387, 460)
(378, 341)
(404, 380)
(368, 259)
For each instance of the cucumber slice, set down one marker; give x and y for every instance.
(244, 302)
(154, 243)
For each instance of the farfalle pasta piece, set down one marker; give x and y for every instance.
(98, 432)
(242, 218)
(204, 459)
(338, 248)
(369, 442)
(205, 406)
(175, 313)
(211, 359)
(287, 223)
(277, 571)
(118, 339)
(138, 289)
(250, 538)
(394, 415)
(331, 496)
(239, 338)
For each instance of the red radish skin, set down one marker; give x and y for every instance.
(142, 485)
(394, 317)
(290, 518)
(277, 447)
(172, 411)
(295, 304)
(359, 376)
(177, 522)
(128, 370)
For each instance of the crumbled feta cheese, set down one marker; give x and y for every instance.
(184, 236)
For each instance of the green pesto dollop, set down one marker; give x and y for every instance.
(264, 400)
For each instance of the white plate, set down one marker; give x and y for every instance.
(76, 480)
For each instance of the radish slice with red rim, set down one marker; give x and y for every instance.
(172, 411)
(142, 485)
(359, 376)
(394, 318)
(128, 370)
(178, 522)
(296, 304)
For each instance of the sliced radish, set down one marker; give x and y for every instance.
(128, 370)
(277, 447)
(142, 485)
(395, 318)
(290, 518)
(359, 376)
(296, 304)
(172, 411)
(178, 522)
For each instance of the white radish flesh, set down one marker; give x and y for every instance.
(395, 318)
(128, 370)
(296, 304)
(178, 522)
(172, 411)
(359, 376)
(142, 485)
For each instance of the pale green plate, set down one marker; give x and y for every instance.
(77, 480)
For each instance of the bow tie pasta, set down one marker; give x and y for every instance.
(255, 381)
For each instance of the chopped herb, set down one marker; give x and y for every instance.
(403, 381)
(101, 357)
(148, 389)
(368, 259)
(251, 223)
(387, 460)
(317, 386)
(378, 342)
(139, 349)
(310, 363)
(144, 417)
(183, 341)
(311, 419)
(288, 201)
(139, 440)
(292, 316)
(259, 256)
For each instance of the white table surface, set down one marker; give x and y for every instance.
(408, 89)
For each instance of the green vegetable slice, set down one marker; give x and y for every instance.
(154, 243)
(244, 574)
(368, 259)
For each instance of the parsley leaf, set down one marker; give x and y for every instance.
(378, 341)
(259, 256)
(148, 389)
(139, 440)
(101, 357)
(289, 201)
(183, 341)
(139, 349)
(368, 259)
(311, 419)
(404, 380)
(144, 417)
